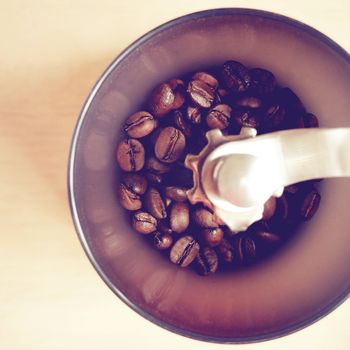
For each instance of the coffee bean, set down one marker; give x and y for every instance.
(222, 93)
(173, 127)
(238, 249)
(282, 208)
(310, 204)
(194, 114)
(184, 251)
(267, 239)
(263, 81)
(269, 208)
(140, 124)
(245, 250)
(144, 222)
(154, 178)
(156, 166)
(310, 121)
(212, 236)
(169, 145)
(206, 261)
(178, 194)
(236, 76)
(128, 199)
(225, 251)
(275, 116)
(162, 100)
(168, 202)
(207, 79)
(163, 227)
(246, 118)
(179, 217)
(219, 116)
(200, 93)
(204, 218)
(136, 183)
(181, 123)
(292, 189)
(178, 88)
(162, 241)
(249, 102)
(154, 203)
(249, 249)
(130, 155)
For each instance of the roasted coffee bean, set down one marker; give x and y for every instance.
(173, 127)
(162, 241)
(144, 222)
(219, 117)
(282, 209)
(130, 155)
(154, 178)
(275, 116)
(267, 239)
(222, 93)
(206, 78)
(155, 204)
(162, 100)
(128, 199)
(263, 81)
(292, 189)
(310, 121)
(169, 145)
(212, 236)
(236, 76)
(310, 204)
(140, 124)
(238, 249)
(168, 202)
(164, 228)
(204, 218)
(249, 101)
(156, 166)
(184, 251)
(178, 88)
(135, 182)
(269, 208)
(179, 217)
(249, 249)
(246, 118)
(200, 93)
(178, 194)
(181, 123)
(225, 251)
(245, 250)
(207, 261)
(194, 114)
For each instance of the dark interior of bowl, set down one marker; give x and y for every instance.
(293, 288)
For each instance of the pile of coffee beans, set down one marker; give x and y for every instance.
(173, 124)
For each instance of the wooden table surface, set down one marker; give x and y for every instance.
(51, 54)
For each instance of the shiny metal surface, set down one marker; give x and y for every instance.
(235, 175)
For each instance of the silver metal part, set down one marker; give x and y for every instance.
(235, 175)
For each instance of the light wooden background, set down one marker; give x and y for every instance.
(51, 53)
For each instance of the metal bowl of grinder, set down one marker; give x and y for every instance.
(309, 278)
